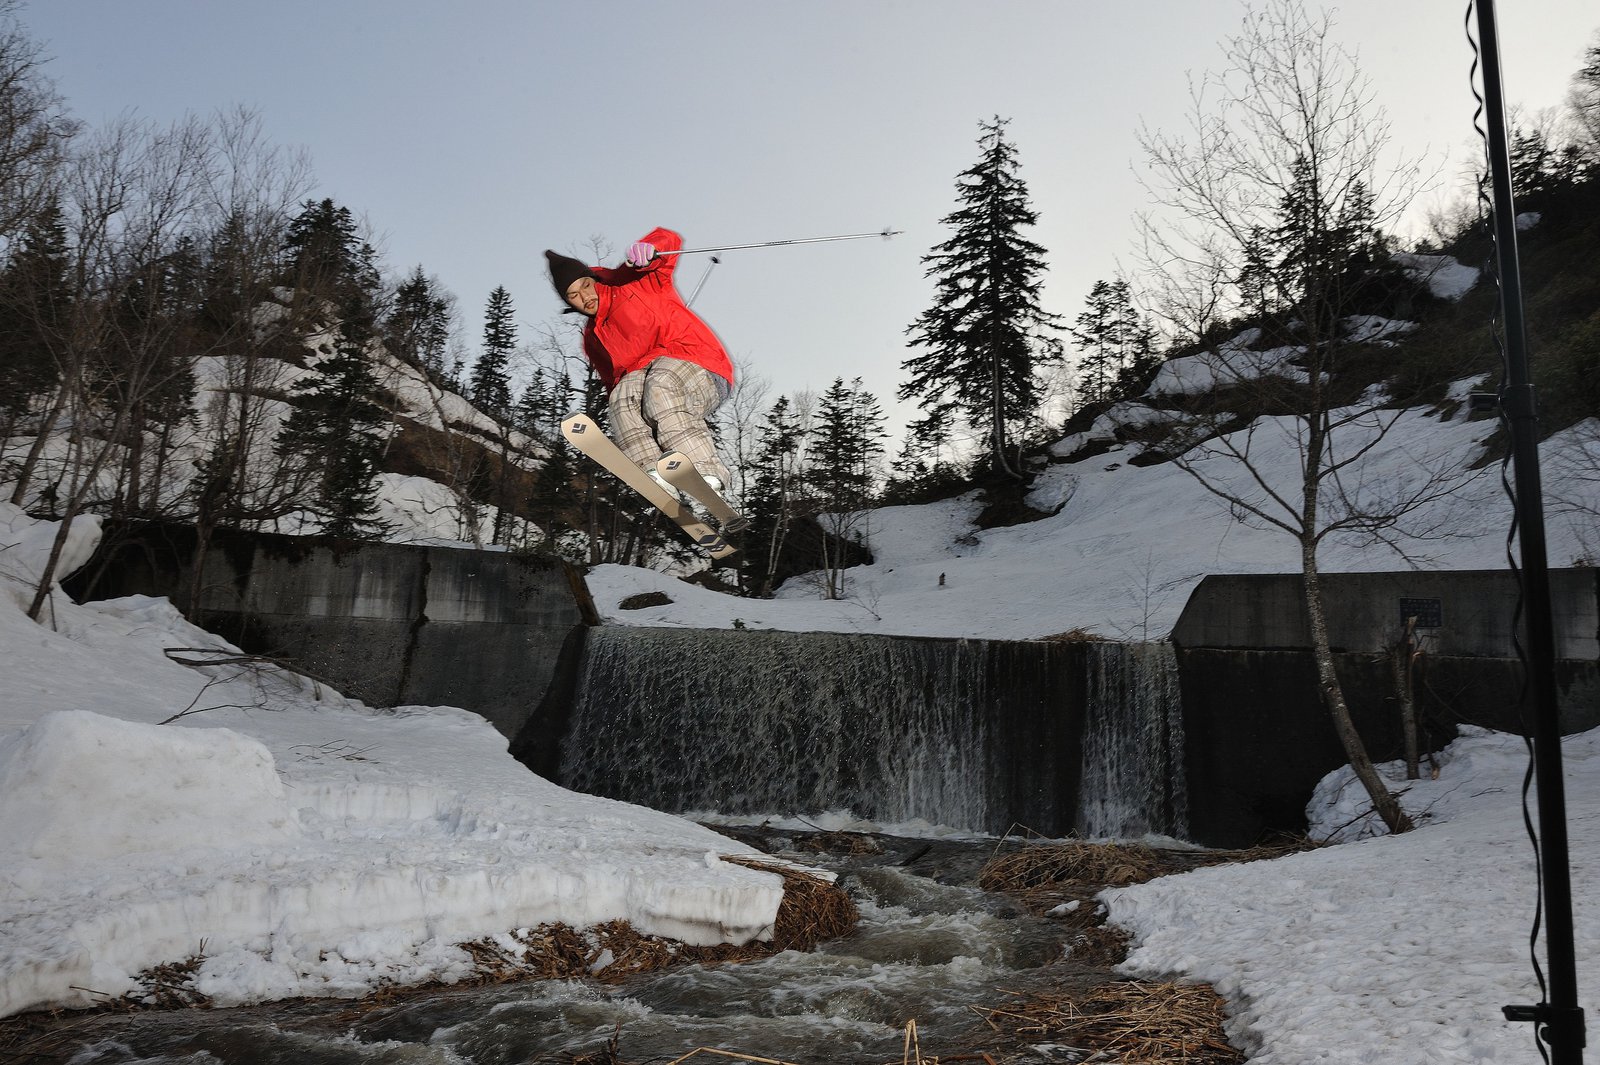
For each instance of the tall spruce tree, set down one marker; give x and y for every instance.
(34, 310)
(986, 333)
(1114, 341)
(770, 501)
(335, 424)
(491, 384)
(846, 441)
(417, 328)
(327, 258)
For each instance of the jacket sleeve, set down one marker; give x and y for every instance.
(659, 269)
(662, 266)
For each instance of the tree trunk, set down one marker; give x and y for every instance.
(197, 568)
(1383, 801)
(75, 501)
(132, 487)
(159, 471)
(29, 464)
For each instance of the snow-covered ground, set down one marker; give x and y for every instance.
(321, 847)
(1127, 544)
(1391, 949)
(313, 845)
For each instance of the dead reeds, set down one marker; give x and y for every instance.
(1127, 1021)
(814, 909)
(1072, 863)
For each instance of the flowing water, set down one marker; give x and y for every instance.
(1062, 738)
(930, 946)
(1133, 744)
(1084, 739)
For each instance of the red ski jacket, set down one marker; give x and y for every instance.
(642, 318)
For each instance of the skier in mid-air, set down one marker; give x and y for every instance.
(664, 370)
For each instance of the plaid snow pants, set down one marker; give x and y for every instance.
(664, 407)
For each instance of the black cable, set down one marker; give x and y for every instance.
(1506, 484)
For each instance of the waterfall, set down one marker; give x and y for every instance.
(1133, 744)
(742, 722)
(983, 735)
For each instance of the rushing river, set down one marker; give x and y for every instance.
(929, 947)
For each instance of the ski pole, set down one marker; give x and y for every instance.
(703, 279)
(885, 234)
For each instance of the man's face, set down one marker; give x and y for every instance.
(582, 295)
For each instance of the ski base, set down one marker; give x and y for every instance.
(583, 433)
(682, 475)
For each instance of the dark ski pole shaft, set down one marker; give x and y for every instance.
(1560, 1020)
(884, 233)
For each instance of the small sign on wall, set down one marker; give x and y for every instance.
(1428, 612)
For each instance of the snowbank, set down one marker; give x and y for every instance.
(1393, 949)
(305, 844)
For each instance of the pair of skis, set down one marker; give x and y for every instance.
(585, 435)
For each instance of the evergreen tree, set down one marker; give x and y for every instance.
(417, 328)
(1114, 340)
(925, 466)
(491, 386)
(986, 333)
(334, 427)
(327, 258)
(1331, 261)
(770, 501)
(543, 404)
(35, 310)
(529, 410)
(234, 277)
(845, 443)
(1096, 332)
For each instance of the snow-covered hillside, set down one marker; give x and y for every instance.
(1125, 544)
(321, 847)
(244, 399)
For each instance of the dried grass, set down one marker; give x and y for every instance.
(1126, 1021)
(813, 909)
(1053, 865)
(839, 843)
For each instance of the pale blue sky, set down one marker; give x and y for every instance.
(472, 135)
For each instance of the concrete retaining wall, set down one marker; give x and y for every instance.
(388, 624)
(1462, 612)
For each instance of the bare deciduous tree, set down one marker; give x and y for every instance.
(34, 129)
(1275, 198)
(129, 192)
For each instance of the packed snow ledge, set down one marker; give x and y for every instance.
(1389, 949)
(304, 843)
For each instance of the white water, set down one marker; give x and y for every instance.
(1133, 744)
(925, 951)
(970, 734)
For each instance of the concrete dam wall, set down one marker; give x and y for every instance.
(1217, 737)
(389, 624)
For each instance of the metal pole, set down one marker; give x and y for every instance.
(1559, 1020)
(703, 279)
(884, 233)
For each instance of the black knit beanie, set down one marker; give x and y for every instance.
(564, 270)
